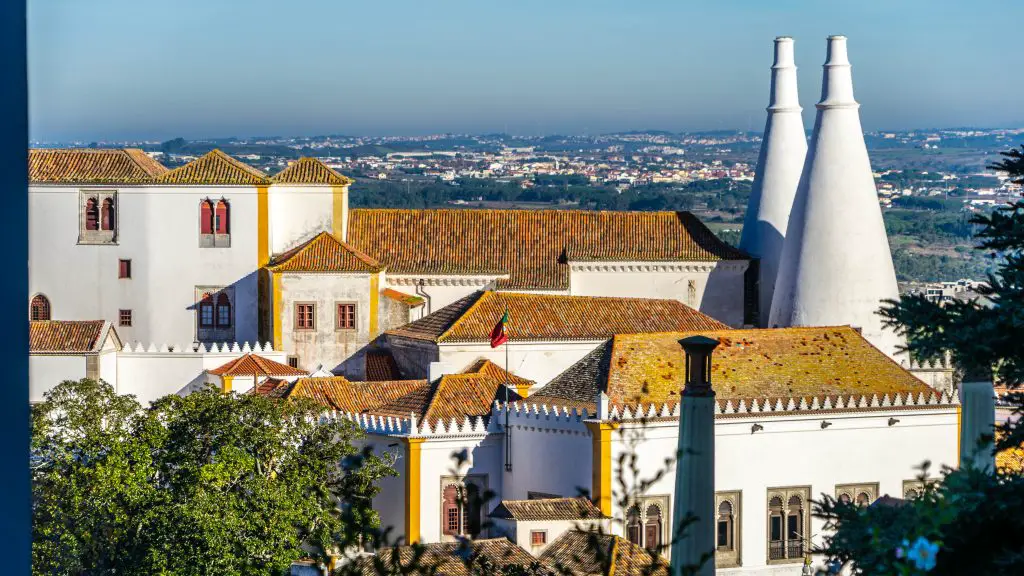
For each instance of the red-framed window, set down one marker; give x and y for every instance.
(107, 215)
(305, 316)
(206, 217)
(538, 537)
(223, 311)
(346, 317)
(124, 268)
(124, 317)
(40, 308)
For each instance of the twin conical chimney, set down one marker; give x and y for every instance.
(783, 148)
(836, 268)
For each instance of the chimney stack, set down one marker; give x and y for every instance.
(695, 467)
(836, 268)
(783, 149)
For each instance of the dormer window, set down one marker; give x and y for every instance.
(214, 223)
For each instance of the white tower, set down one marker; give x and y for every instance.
(783, 149)
(836, 266)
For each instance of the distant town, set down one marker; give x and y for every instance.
(929, 182)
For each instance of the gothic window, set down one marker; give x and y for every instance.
(776, 549)
(788, 523)
(652, 528)
(223, 311)
(727, 532)
(471, 510)
(450, 513)
(206, 311)
(863, 499)
(860, 494)
(206, 217)
(725, 522)
(794, 528)
(107, 215)
(40, 308)
(92, 214)
(221, 218)
(633, 526)
(912, 489)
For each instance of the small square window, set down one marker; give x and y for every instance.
(538, 537)
(293, 361)
(125, 318)
(124, 268)
(346, 317)
(305, 316)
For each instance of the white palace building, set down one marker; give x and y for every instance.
(163, 281)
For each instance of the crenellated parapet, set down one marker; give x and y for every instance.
(197, 348)
(476, 426)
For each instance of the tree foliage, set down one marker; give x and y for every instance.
(203, 484)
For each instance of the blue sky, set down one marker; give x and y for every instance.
(115, 69)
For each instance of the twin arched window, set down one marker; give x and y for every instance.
(645, 531)
(40, 308)
(214, 218)
(215, 313)
(100, 216)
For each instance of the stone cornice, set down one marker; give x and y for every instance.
(640, 266)
(443, 280)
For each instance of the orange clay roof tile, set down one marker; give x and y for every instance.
(253, 365)
(77, 336)
(553, 317)
(530, 247)
(215, 167)
(310, 171)
(90, 166)
(324, 253)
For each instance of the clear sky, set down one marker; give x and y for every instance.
(118, 69)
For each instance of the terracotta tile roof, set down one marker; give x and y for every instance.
(310, 171)
(774, 363)
(66, 336)
(485, 366)
(381, 365)
(341, 394)
(553, 317)
(407, 299)
(215, 167)
(1009, 460)
(586, 553)
(445, 558)
(530, 246)
(90, 166)
(547, 509)
(271, 388)
(324, 253)
(253, 365)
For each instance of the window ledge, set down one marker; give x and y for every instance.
(215, 240)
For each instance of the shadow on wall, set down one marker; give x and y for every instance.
(771, 241)
(215, 311)
(723, 297)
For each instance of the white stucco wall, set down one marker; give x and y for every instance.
(484, 459)
(551, 455)
(158, 230)
(537, 361)
(298, 213)
(520, 531)
(717, 286)
(795, 451)
(325, 344)
(45, 372)
(108, 367)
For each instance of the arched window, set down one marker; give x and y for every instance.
(776, 545)
(206, 311)
(471, 508)
(725, 524)
(911, 494)
(652, 528)
(633, 525)
(223, 311)
(863, 499)
(40, 308)
(845, 498)
(92, 214)
(221, 218)
(794, 528)
(107, 214)
(206, 217)
(451, 516)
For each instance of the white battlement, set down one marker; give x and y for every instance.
(197, 348)
(411, 426)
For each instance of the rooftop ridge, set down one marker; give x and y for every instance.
(311, 171)
(215, 168)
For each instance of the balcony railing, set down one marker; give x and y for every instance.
(778, 550)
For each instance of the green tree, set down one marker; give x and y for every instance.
(973, 519)
(203, 484)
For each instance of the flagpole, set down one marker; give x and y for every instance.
(508, 433)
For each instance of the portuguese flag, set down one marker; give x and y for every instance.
(498, 334)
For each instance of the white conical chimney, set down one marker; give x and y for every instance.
(836, 266)
(779, 165)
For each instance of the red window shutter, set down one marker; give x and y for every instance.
(108, 214)
(450, 523)
(92, 215)
(205, 217)
(222, 217)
